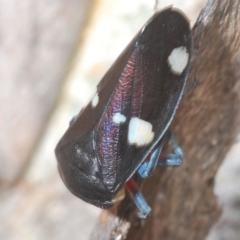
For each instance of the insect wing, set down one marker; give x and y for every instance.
(145, 98)
(134, 105)
(79, 164)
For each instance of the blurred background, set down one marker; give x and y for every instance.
(52, 55)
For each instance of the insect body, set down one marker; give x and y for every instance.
(130, 113)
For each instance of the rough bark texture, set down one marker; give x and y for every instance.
(206, 126)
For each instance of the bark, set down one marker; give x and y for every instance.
(207, 126)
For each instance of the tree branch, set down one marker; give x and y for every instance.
(206, 126)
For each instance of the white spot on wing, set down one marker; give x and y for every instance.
(139, 132)
(119, 118)
(178, 60)
(95, 100)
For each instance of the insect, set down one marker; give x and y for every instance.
(129, 117)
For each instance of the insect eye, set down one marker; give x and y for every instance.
(83, 160)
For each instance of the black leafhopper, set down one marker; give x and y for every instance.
(122, 130)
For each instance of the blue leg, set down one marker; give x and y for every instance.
(139, 200)
(173, 159)
(147, 168)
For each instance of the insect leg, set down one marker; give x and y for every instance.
(148, 167)
(139, 200)
(173, 159)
